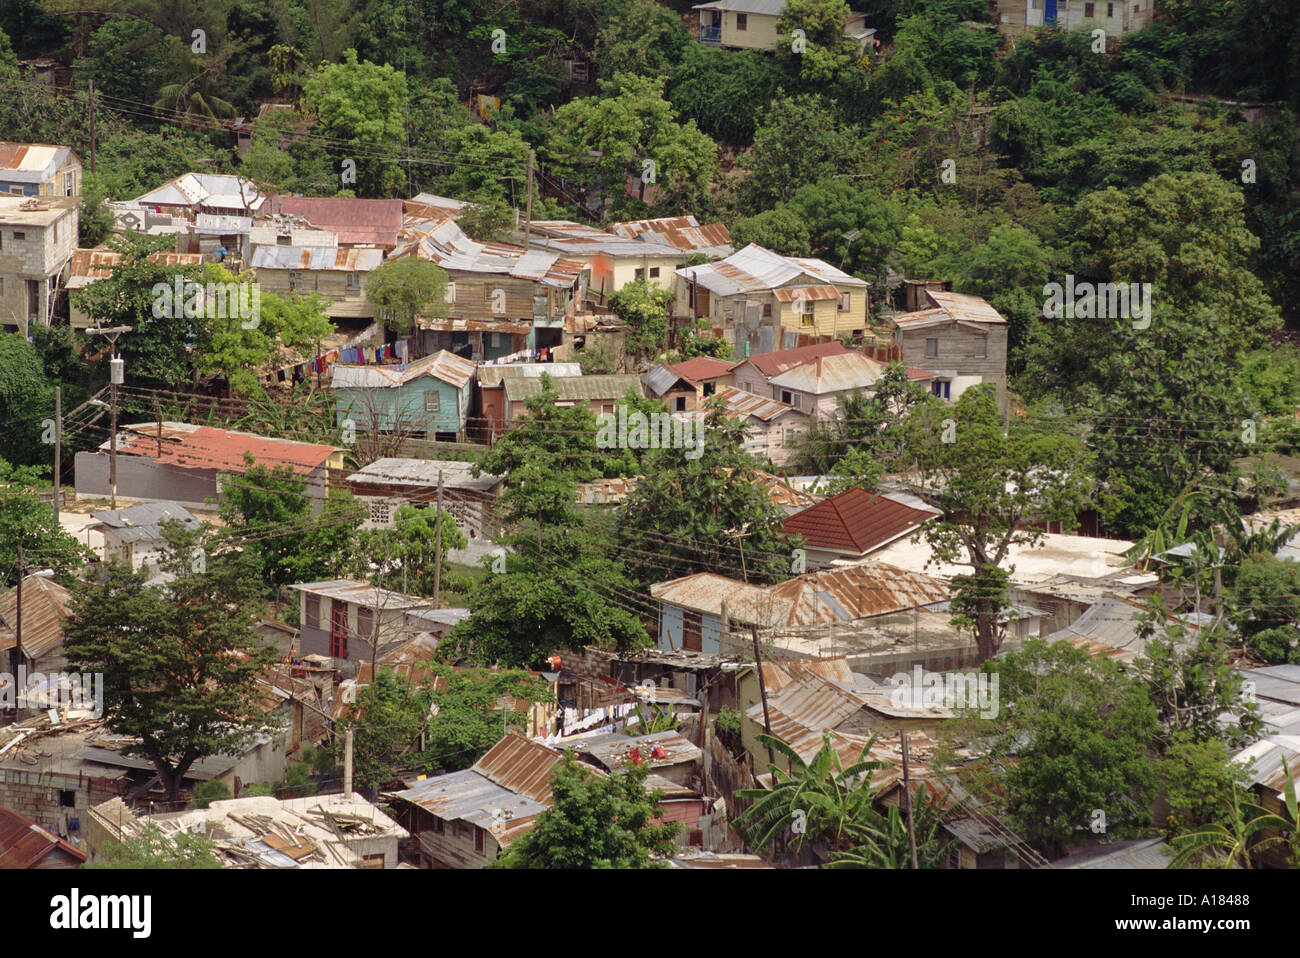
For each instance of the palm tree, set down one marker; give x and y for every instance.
(817, 801)
(1229, 846)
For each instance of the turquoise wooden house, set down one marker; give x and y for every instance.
(430, 396)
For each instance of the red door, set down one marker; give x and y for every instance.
(339, 631)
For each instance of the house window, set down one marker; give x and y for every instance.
(787, 397)
(19, 237)
(295, 280)
(807, 318)
(67, 799)
(767, 310)
(931, 348)
(438, 827)
(654, 272)
(313, 611)
(432, 401)
(1110, 10)
(1088, 10)
(845, 302)
(379, 513)
(365, 622)
(479, 840)
(681, 404)
(354, 282)
(640, 272)
(451, 293)
(981, 347)
(742, 21)
(69, 183)
(942, 389)
(693, 631)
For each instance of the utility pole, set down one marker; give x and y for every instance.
(528, 215)
(318, 364)
(437, 548)
(347, 763)
(16, 657)
(58, 443)
(907, 797)
(115, 379)
(90, 104)
(762, 690)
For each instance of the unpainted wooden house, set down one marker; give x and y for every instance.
(336, 273)
(960, 338)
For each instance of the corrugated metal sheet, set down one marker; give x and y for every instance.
(680, 232)
(777, 675)
(206, 447)
(442, 365)
(362, 593)
(1109, 629)
(740, 404)
(754, 269)
(522, 766)
(206, 190)
(855, 522)
(705, 592)
(702, 368)
(446, 244)
(832, 374)
(771, 8)
(858, 592)
(31, 162)
(611, 749)
(89, 265)
(23, 843)
(45, 608)
(576, 239)
(337, 258)
(804, 294)
(964, 307)
(144, 522)
(660, 379)
(491, 376)
(572, 389)
(355, 221)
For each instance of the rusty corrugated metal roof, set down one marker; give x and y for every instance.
(522, 766)
(23, 843)
(682, 232)
(206, 447)
(803, 294)
(706, 592)
(858, 592)
(45, 608)
(964, 307)
(89, 265)
(832, 374)
(739, 404)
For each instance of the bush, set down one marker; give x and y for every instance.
(205, 793)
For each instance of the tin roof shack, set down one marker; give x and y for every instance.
(350, 620)
(338, 274)
(183, 463)
(599, 393)
(680, 232)
(609, 261)
(191, 194)
(960, 337)
(134, 535)
(757, 288)
(89, 266)
(816, 387)
(696, 610)
(464, 819)
(500, 298)
(45, 609)
(1018, 17)
(1110, 629)
(685, 386)
(38, 169)
(322, 831)
(490, 398)
(853, 525)
(37, 239)
(25, 844)
(668, 754)
(386, 485)
(356, 222)
(430, 396)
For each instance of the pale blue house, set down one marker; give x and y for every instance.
(429, 396)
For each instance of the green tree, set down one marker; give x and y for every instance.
(595, 821)
(410, 548)
(631, 125)
(703, 510)
(26, 400)
(389, 715)
(991, 487)
(800, 141)
(28, 522)
(363, 105)
(468, 720)
(644, 308)
(407, 288)
(1245, 833)
(179, 663)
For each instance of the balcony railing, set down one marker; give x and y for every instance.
(711, 34)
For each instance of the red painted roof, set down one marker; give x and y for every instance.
(773, 364)
(701, 368)
(856, 522)
(357, 222)
(23, 843)
(210, 448)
